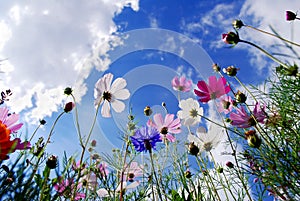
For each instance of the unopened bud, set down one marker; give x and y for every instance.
(52, 162)
(193, 149)
(147, 111)
(240, 97)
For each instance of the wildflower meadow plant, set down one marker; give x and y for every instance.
(171, 156)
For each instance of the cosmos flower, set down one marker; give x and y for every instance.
(7, 127)
(145, 138)
(103, 169)
(225, 104)
(132, 171)
(166, 126)
(110, 93)
(181, 84)
(190, 112)
(213, 90)
(65, 188)
(207, 140)
(102, 192)
(242, 119)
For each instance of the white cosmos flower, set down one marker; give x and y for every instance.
(207, 140)
(110, 93)
(102, 192)
(190, 112)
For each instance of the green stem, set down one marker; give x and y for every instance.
(83, 150)
(153, 173)
(265, 52)
(274, 35)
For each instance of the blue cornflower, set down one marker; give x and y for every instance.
(145, 138)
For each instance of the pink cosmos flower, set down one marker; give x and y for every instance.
(132, 171)
(213, 90)
(166, 126)
(225, 105)
(103, 169)
(110, 93)
(242, 119)
(65, 188)
(181, 84)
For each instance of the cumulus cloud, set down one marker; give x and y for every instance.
(52, 45)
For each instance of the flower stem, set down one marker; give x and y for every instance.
(156, 179)
(274, 35)
(265, 52)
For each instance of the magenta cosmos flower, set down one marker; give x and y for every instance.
(167, 126)
(213, 90)
(7, 127)
(110, 93)
(242, 119)
(65, 188)
(181, 84)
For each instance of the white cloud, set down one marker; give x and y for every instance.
(260, 15)
(50, 46)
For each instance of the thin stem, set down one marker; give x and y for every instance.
(153, 173)
(84, 148)
(274, 35)
(265, 52)
(77, 122)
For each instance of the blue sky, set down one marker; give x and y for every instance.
(50, 46)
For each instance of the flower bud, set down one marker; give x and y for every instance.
(188, 174)
(69, 107)
(240, 97)
(93, 143)
(231, 70)
(216, 68)
(193, 149)
(42, 122)
(253, 139)
(237, 24)
(290, 16)
(51, 162)
(229, 164)
(68, 91)
(220, 169)
(231, 38)
(147, 111)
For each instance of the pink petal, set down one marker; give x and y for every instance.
(158, 120)
(170, 137)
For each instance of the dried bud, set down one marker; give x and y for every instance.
(231, 38)
(229, 164)
(51, 162)
(69, 107)
(237, 24)
(131, 117)
(193, 149)
(240, 97)
(147, 111)
(231, 70)
(68, 91)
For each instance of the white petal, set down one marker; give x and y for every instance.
(117, 85)
(105, 110)
(122, 94)
(118, 106)
(102, 192)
